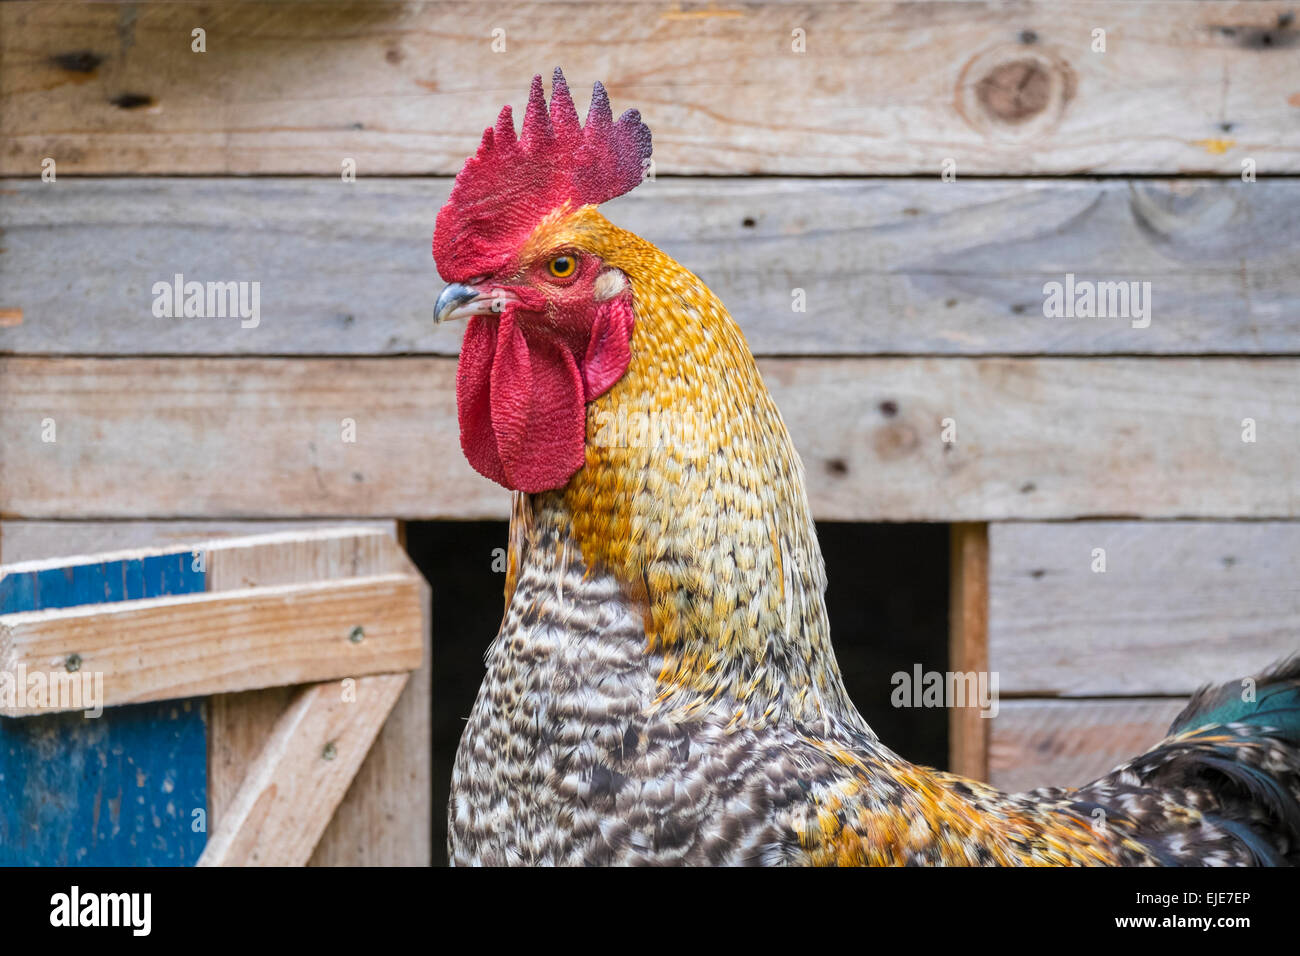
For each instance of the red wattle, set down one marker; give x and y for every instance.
(473, 397)
(610, 349)
(538, 414)
(521, 396)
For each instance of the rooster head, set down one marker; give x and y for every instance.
(550, 319)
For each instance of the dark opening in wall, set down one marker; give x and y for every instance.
(887, 599)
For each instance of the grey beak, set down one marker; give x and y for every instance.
(452, 298)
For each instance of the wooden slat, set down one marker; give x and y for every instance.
(239, 726)
(1179, 605)
(1035, 438)
(22, 541)
(968, 615)
(304, 558)
(77, 581)
(1049, 743)
(386, 817)
(328, 542)
(276, 424)
(886, 266)
(881, 88)
(298, 779)
(192, 645)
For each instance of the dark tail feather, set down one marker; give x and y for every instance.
(1275, 703)
(1262, 853)
(1242, 753)
(1258, 786)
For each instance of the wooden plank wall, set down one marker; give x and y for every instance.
(881, 88)
(1127, 618)
(262, 437)
(924, 296)
(888, 266)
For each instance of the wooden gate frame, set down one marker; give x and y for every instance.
(342, 611)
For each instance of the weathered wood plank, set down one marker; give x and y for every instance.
(22, 541)
(1035, 438)
(886, 266)
(1050, 743)
(968, 648)
(293, 787)
(196, 644)
(1179, 604)
(880, 88)
(236, 419)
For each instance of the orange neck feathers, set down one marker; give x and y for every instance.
(692, 496)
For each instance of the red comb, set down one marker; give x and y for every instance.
(505, 189)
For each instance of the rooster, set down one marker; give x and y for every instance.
(662, 688)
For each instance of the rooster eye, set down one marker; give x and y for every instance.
(562, 266)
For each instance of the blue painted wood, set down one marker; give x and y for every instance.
(17, 593)
(100, 583)
(121, 789)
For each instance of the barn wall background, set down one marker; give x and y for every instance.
(912, 174)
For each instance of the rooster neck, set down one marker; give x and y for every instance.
(692, 499)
